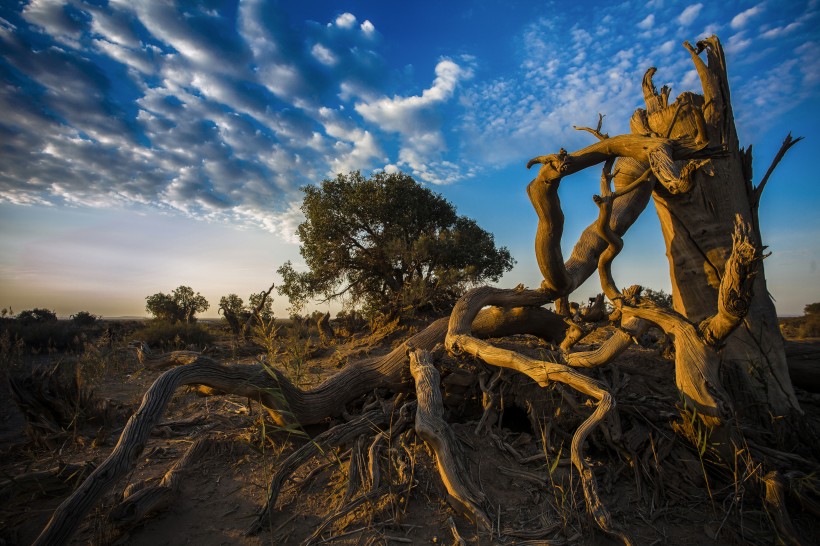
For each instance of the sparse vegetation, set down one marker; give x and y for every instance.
(170, 336)
(240, 317)
(807, 326)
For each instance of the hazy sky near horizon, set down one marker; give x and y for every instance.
(149, 144)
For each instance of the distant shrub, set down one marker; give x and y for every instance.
(84, 318)
(350, 321)
(172, 336)
(39, 330)
(661, 298)
(32, 316)
(802, 327)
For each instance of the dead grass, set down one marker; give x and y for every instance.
(655, 484)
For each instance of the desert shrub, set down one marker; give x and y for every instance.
(36, 316)
(661, 298)
(348, 322)
(172, 336)
(43, 336)
(810, 325)
(802, 327)
(84, 318)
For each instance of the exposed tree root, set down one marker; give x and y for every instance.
(376, 435)
(775, 499)
(459, 339)
(372, 421)
(433, 429)
(370, 496)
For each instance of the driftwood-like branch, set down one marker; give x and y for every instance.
(286, 403)
(434, 430)
(562, 278)
(159, 361)
(604, 202)
(610, 349)
(597, 131)
(736, 283)
(788, 142)
(459, 340)
(673, 161)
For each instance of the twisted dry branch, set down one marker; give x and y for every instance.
(460, 340)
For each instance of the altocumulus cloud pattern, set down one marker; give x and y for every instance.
(223, 113)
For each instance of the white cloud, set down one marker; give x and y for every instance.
(368, 28)
(647, 22)
(324, 55)
(689, 15)
(51, 17)
(415, 119)
(737, 43)
(346, 20)
(741, 19)
(778, 32)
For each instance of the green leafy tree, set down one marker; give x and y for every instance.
(390, 244)
(265, 308)
(181, 305)
(812, 309)
(238, 315)
(232, 304)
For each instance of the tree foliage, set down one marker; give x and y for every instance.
(388, 243)
(36, 316)
(84, 318)
(181, 305)
(659, 297)
(238, 315)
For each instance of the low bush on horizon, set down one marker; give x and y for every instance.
(807, 326)
(168, 336)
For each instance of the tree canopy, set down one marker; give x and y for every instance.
(181, 305)
(238, 315)
(388, 243)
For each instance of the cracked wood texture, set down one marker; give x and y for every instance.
(700, 181)
(697, 229)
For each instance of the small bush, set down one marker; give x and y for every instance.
(36, 316)
(803, 327)
(84, 318)
(56, 335)
(169, 336)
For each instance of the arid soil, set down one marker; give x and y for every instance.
(659, 489)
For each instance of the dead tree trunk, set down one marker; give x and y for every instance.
(687, 155)
(697, 229)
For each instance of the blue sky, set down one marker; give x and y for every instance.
(144, 145)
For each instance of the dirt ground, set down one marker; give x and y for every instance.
(525, 473)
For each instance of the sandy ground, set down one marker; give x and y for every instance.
(221, 492)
